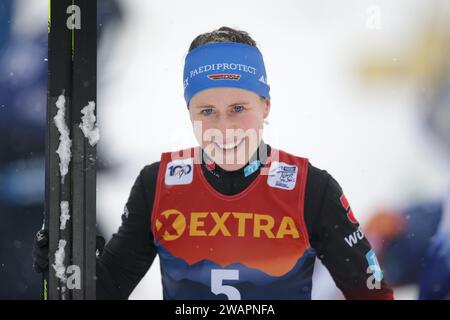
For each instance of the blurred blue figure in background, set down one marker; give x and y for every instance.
(5, 19)
(402, 240)
(413, 243)
(23, 79)
(414, 247)
(435, 281)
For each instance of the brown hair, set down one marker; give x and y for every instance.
(223, 34)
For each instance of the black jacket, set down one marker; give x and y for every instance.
(130, 253)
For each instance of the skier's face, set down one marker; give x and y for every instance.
(228, 124)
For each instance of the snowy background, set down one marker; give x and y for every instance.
(370, 137)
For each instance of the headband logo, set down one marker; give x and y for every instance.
(224, 76)
(221, 67)
(262, 79)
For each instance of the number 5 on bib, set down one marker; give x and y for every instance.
(217, 287)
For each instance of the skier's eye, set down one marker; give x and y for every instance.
(238, 108)
(206, 112)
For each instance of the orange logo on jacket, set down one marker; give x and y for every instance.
(172, 224)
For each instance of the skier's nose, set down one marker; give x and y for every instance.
(228, 130)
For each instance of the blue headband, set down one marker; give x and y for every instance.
(224, 64)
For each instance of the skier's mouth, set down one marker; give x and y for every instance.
(233, 146)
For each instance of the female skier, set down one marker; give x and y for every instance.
(234, 218)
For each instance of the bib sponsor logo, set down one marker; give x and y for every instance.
(172, 224)
(282, 175)
(179, 172)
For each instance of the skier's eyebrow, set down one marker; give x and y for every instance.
(237, 104)
(211, 106)
(204, 106)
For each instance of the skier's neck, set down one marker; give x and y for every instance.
(258, 158)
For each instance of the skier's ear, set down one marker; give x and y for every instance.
(190, 114)
(266, 107)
